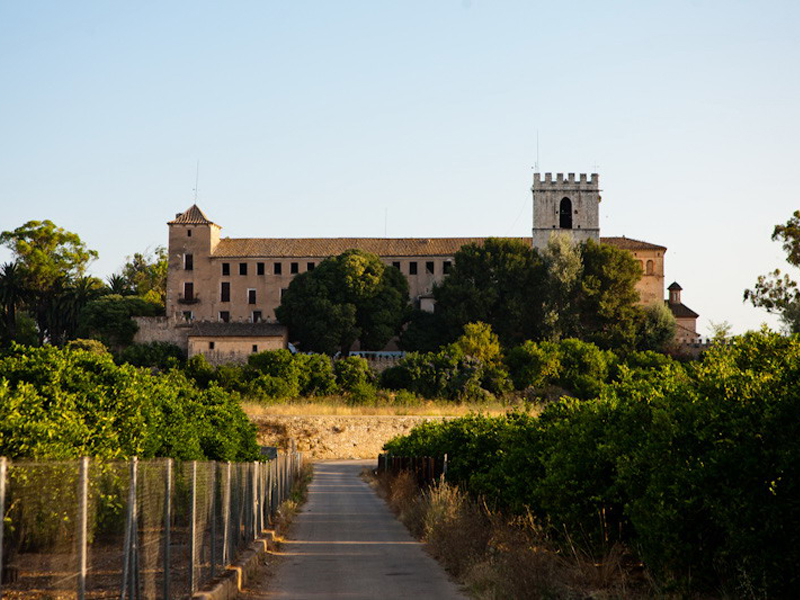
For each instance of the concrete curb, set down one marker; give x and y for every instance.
(228, 585)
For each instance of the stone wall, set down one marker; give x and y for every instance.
(161, 329)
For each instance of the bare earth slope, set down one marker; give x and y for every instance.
(334, 436)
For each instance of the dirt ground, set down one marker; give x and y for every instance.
(333, 436)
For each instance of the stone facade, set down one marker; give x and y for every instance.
(565, 205)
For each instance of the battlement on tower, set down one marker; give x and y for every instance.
(583, 182)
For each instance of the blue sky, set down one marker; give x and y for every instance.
(414, 118)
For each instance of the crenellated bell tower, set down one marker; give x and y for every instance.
(565, 205)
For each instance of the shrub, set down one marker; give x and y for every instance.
(351, 372)
(316, 374)
(161, 355)
(533, 365)
(278, 364)
(59, 403)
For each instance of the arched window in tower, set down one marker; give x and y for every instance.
(649, 269)
(565, 214)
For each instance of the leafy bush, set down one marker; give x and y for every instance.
(698, 468)
(533, 365)
(161, 355)
(278, 364)
(62, 403)
(351, 372)
(316, 374)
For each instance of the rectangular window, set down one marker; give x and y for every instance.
(224, 316)
(189, 233)
(226, 269)
(187, 315)
(251, 296)
(294, 268)
(447, 266)
(412, 268)
(255, 347)
(225, 292)
(188, 262)
(188, 290)
(210, 345)
(310, 266)
(283, 292)
(257, 318)
(429, 267)
(242, 268)
(277, 268)
(396, 264)
(259, 268)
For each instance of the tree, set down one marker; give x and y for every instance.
(350, 297)
(563, 271)
(50, 259)
(778, 293)
(108, 319)
(498, 282)
(12, 295)
(657, 328)
(607, 299)
(145, 275)
(586, 291)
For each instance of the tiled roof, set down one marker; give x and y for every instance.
(626, 243)
(219, 329)
(681, 311)
(674, 286)
(384, 247)
(192, 216)
(325, 247)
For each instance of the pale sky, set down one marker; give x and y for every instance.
(412, 119)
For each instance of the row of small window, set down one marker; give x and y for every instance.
(294, 268)
(277, 268)
(211, 346)
(430, 267)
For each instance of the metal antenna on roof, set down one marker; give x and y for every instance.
(196, 180)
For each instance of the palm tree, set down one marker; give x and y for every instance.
(118, 284)
(13, 293)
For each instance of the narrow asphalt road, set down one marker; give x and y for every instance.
(347, 544)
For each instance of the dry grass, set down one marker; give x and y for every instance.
(338, 406)
(498, 558)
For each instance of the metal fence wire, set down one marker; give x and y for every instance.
(154, 529)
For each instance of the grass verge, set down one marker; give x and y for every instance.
(495, 557)
(341, 406)
(298, 495)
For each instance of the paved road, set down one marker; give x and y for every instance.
(347, 544)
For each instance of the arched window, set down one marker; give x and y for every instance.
(649, 270)
(565, 214)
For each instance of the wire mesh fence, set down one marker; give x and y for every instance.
(155, 529)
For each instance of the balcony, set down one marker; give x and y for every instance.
(193, 299)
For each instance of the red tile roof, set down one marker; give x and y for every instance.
(192, 216)
(681, 311)
(384, 247)
(626, 243)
